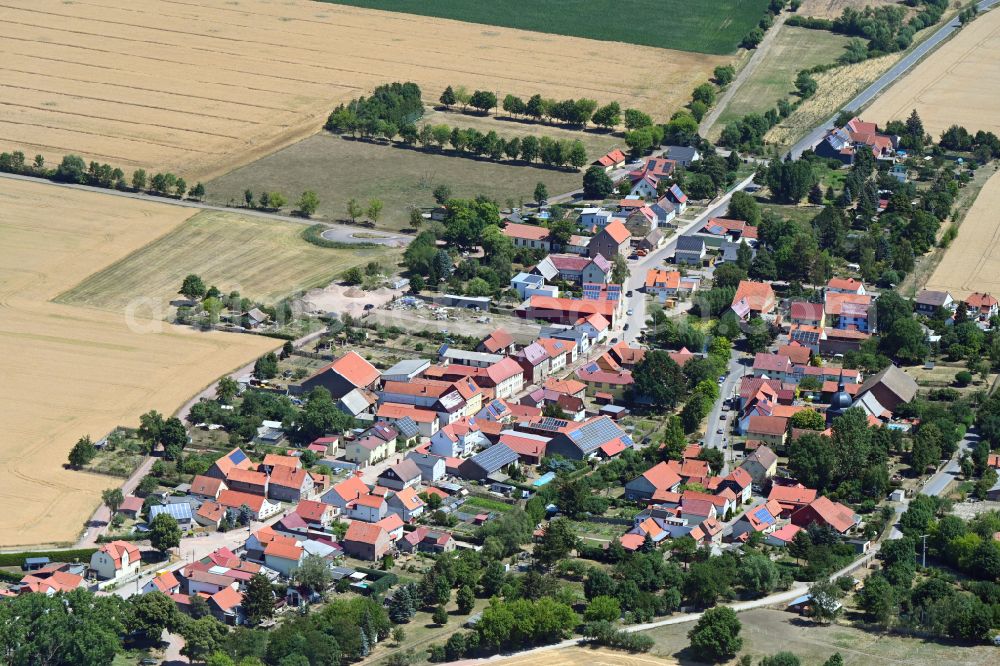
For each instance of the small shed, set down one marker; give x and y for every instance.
(34, 563)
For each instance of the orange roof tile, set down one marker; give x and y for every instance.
(368, 533)
(617, 231)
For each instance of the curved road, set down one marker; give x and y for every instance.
(340, 233)
(886, 80)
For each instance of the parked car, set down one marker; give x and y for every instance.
(719, 431)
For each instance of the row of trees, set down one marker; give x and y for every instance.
(576, 112)
(73, 169)
(272, 201)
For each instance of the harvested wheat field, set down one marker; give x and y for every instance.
(972, 262)
(199, 88)
(71, 371)
(576, 656)
(959, 84)
(263, 259)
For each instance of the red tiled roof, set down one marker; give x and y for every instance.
(205, 485)
(368, 533)
(288, 477)
(272, 459)
(227, 598)
(767, 425)
(759, 295)
(284, 550)
(661, 476)
(354, 368)
(235, 499)
(525, 231)
(247, 476)
(846, 284)
(617, 231)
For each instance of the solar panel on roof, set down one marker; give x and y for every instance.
(763, 515)
(494, 458)
(237, 456)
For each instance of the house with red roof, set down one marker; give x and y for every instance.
(982, 305)
(427, 540)
(753, 299)
(366, 541)
(782, 536)
(791, 498)
(773, 366)
(55, 582)
(317, 515)
(807, 314)
(210, 514)
(246, 481)
(762, 519)
(497, 342)
(740, 482)
(528, 235)
(260, 508)
(505, 377)
(611, 241)
(116, 560)
(842, 143)
(165, 582)
(235, 459)
(207, 487)
(611, 161)
(343, 493)
(845, 286)
(406, 504)
(657, 479)
(599, 380)
(369, 508)
(770, 430)
(227, 606)
(289, 484)
(646, 179)
(283, 556)
(824, 511)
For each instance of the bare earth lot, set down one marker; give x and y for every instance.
(70, 371)
(972, 262)
(196, 88)
(958, 84)
(768, 631)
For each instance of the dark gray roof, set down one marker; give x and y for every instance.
(932, 298)
(681, 153)
(690, 244)
(406, 427)
(494, 458)
(591, 436)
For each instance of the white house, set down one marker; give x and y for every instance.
(594, 217)
(116, 560)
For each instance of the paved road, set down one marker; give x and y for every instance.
(637, 278)
(738, 363)
(339, 233)
(940, 480)
(886, 80)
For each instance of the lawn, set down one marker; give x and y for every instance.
(261, 258)
(765, 632)
(339, 170)
(710, 26)
(793, 50)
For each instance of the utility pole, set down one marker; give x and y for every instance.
(923, 561)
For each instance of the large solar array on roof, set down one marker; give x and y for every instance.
(592, 435)
(808, 337)
(494, 458)
(552, 423)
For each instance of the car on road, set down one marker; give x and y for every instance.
(625, 327)
(633, 257)
(722, 416)
(722, 378)
(628, 293)
(629, 312)
(719, 431)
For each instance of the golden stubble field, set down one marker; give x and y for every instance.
(200, 88)
(70, 370)
(972, 261)
(959, 84)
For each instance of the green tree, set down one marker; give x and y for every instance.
(227, 390)
(139, 180)
(658, 380)
(597, 184)
(202, 637)
(716, 636)
(180, 187)
(447, 97)
(743, 206)
(198, 191)
(152, 613)
(824, 605)
(704, 93)
(313, 573)
(557, 541)
(877, 600)
(193, 287)
(374, 210)
(466, 599)
(541, 193)
(442, 193)
(164, 533)
(174, 438)
(354, 210)
(112, 498)
(758, 573)
(320, 417)
(266, 367)
(72, 169)
(308, 203)
(808, 419)
(258, 599)
(353, 276)
(604, 608)
(724, 74)
(440, 615)
(276, 200)
(619, 270)
(82, 452)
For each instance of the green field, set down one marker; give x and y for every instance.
(765, 632)
(708, 26)
(263, 259)
(793, 50)
(341, 169)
